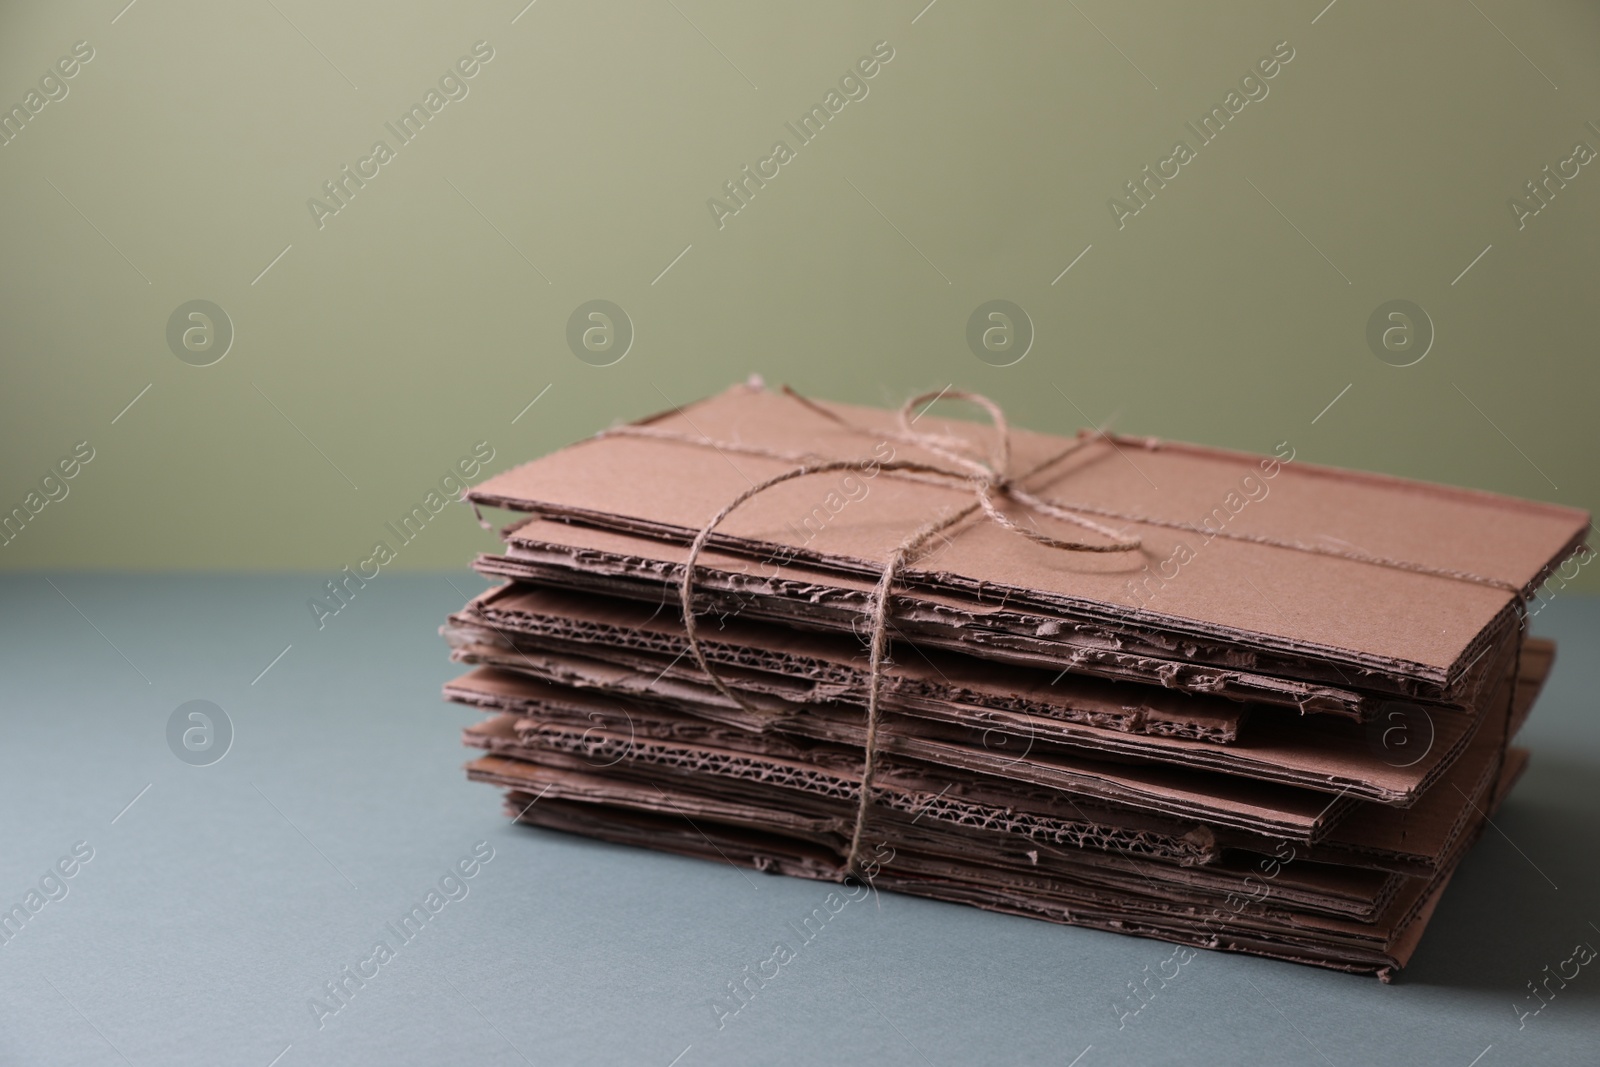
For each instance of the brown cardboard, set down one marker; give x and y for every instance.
(1329, 756)
(1419, 840)
(1351, 614)
(584, 559)
(1095, 738)
(820, 799)
(1375, 947)
(1108, 875)
(836, 667)
(1260, 920)
(1261, 808)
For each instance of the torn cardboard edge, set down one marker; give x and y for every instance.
(1348, 767)
(836, 663)
(1379, 947)
(1301, 891)
(1265, 809)
(576, 557)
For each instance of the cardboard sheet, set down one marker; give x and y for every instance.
(1261, 808)
(1313, 605)
(580, 558)
(1240, 924)
(834, 667)
(1330, 756)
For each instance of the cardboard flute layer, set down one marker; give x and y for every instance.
(1409, 842)
(1378, 946)
(1327, 759)
(1335, 757)
(834, 667)
(1419, 840)
(590, 560)
(1261, 808)
(1310, 602)
(1089, 716)
(833, 610)
(1105, 875)
(763, 854)
(1412, 842)
(821, 798)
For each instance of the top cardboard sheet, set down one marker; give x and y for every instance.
(1286, 600)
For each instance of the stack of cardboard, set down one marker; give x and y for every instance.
(1273, 726)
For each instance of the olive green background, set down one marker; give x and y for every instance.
(427, 314)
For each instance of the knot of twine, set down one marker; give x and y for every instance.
(988, 478)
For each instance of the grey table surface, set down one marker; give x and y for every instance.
(221, 900)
